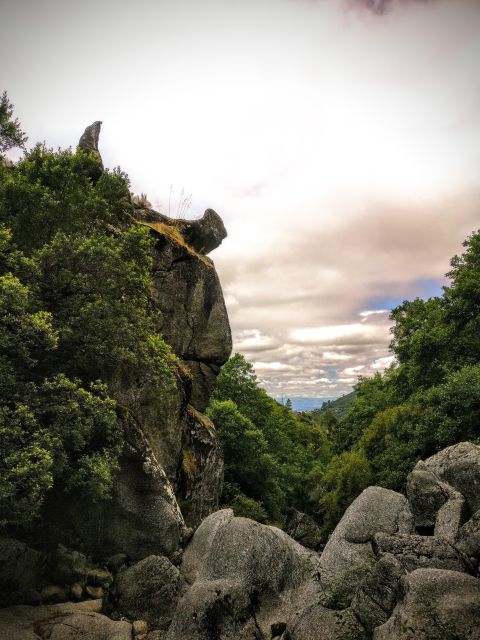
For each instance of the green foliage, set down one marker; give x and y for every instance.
(345, 476)
(78, 337)
(53, 191)
(11, 134)
(244, 507)
(429, 400)
(271, 454)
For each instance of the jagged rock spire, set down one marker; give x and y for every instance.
(89, 142)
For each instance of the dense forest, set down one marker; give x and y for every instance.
(77, 326)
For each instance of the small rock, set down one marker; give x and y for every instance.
(52, 594)
(139, 628)
(302, 528)
(148, 590)
(76, 590)
(100, 578)
(116, 562)
(67, 566)
(94, 592)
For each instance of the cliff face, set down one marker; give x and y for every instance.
(189, 296)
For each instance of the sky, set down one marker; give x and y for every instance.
(338, 139)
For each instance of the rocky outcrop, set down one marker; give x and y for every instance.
(148, 590)
(348, 556)
(194, 318)
(249, 578)
(89, 139)
(200, 477)
(302, 528)
(172, 454)
(435, 604)
(68, 621)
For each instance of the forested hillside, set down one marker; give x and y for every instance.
(427, 400)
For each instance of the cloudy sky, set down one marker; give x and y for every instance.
(338, 139)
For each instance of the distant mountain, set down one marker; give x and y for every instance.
(338, 407)
(304, 404)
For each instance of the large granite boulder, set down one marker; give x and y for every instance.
(194, 320)
(316, 622)
(348, 556)
(459, 466)
(148, 590)
(435, 604)
(200, 545)
(250, 577)
(66, 621)
(420, 552)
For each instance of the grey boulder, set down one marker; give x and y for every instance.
(420, 552)
(459, 466)
(148, 590)
(436, 604)
(348, 555)
(200, 545)
(248, 578)
(67, 621)
(316, 622)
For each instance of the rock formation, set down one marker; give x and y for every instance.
(171, 453)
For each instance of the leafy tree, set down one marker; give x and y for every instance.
(53, 191)
(270, 452)
(78, 336)
(11, 135)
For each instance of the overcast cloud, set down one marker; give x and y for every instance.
(339, 140)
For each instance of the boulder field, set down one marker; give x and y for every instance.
(384, 574)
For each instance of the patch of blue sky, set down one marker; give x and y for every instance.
(419, 288)
(332, 373)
